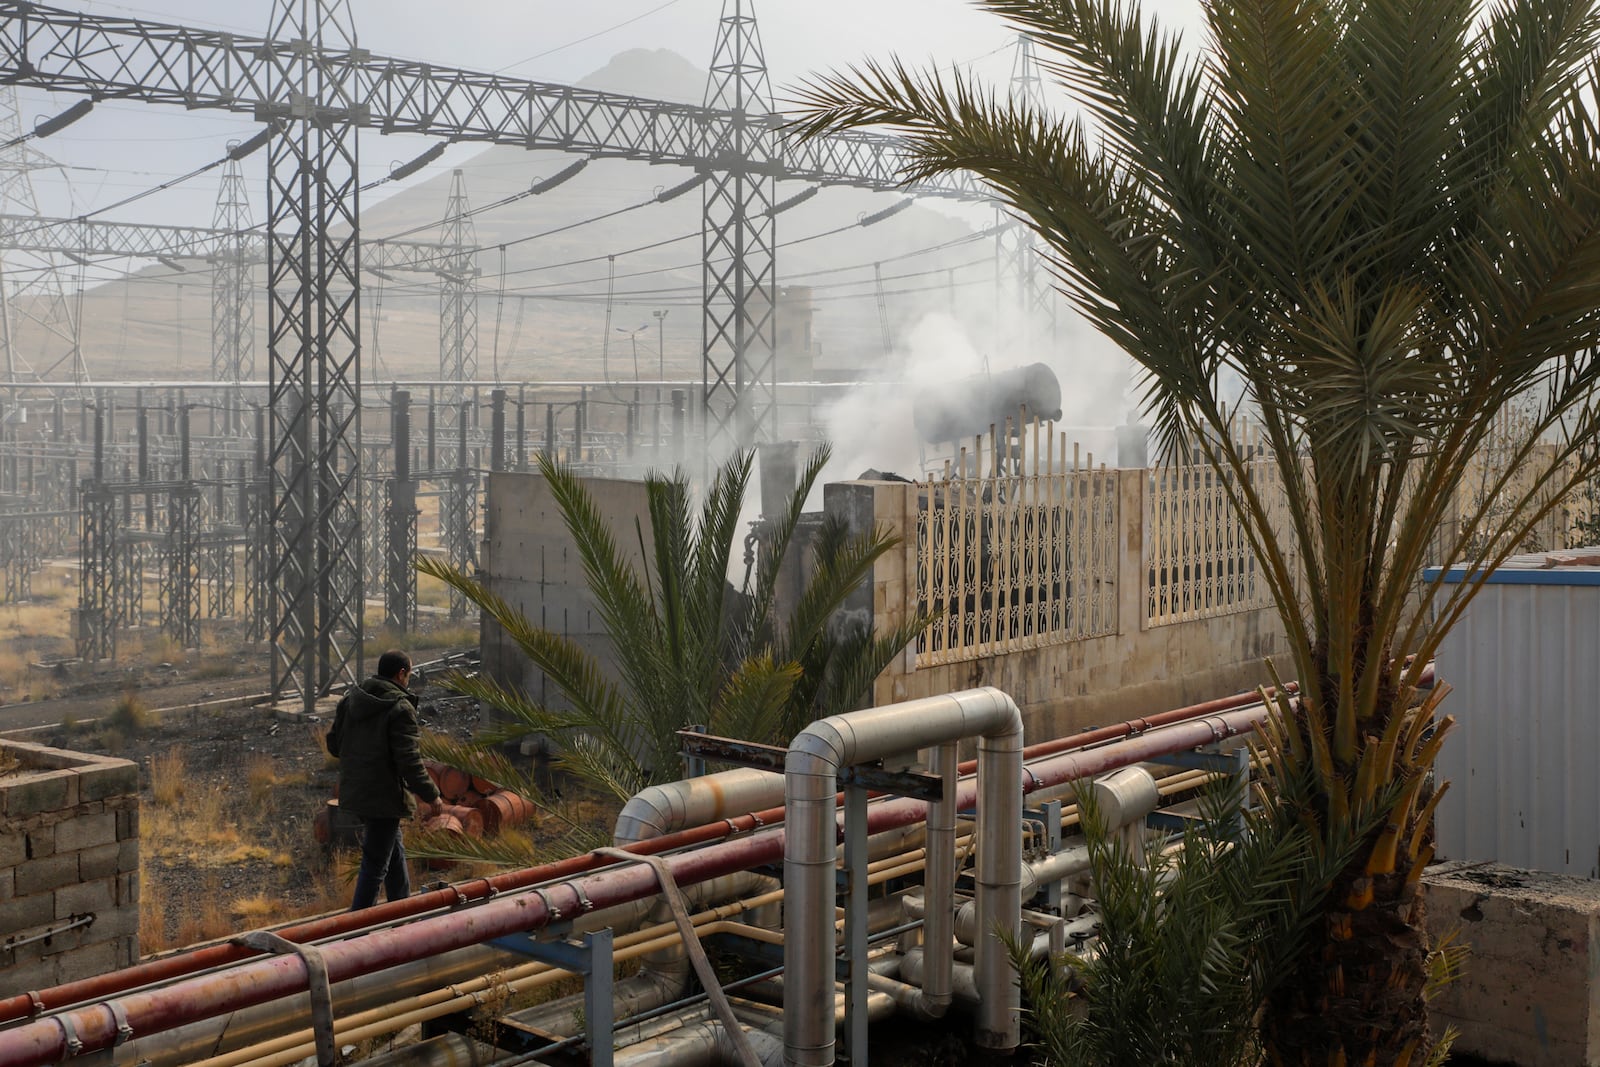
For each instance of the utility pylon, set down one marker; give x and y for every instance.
(739, 238)
(233, 292)
(458, 301)
(38, 293)
(314, 330)
(458, 363)
(1022, 291)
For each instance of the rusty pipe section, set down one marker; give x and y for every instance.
(810, 789)
(95, 1026)
(663, 809)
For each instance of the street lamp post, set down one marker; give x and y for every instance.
(661, 344)
(660, 315)
(633, 335)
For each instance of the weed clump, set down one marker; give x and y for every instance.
(130, 717)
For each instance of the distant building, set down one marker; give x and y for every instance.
(796, 351)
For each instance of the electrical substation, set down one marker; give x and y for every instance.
(283, 488)
(288, 487)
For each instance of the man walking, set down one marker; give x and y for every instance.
(374, 737)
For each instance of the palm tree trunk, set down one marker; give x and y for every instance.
(1359, 995)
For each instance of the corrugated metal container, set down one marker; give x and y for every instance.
(1524, 662)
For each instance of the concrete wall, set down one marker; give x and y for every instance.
(69, 866)
(529, 559)
(1529, 994)
(1069, 686)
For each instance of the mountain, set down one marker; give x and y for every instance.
(548, 262)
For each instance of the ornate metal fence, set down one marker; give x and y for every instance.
(1200, 560)
(1017, 549)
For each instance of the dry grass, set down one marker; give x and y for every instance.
(453, 635)
(158, 647)
(264, 777)
(431, 592)
(232, 834)
(167, 777)
(33, 619)
(256, 909)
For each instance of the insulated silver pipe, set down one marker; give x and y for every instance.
(811, 819)
(671, 806)
(999, 880)
(939, 885)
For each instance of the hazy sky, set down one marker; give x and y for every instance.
(123, 147)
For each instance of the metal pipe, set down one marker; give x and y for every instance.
(654, 812)
(44, 1041)
(663, 809)
(939, 882)
(446, 1050)
(697, 1045)
(23, 1005)
(810, 789)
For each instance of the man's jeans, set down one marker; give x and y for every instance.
(383, 862)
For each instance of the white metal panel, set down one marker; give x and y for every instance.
(1525, 664)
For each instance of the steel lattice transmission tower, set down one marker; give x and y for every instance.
(458, 363)
(1022, 291)
(233, 291)
(458, 295)
(38, 293)
(739, 238)
(314, 330)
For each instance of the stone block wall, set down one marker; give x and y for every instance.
(69, 865)
(1529, 994)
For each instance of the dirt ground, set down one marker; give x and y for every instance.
(229, 793)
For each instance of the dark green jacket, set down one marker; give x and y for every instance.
(374, 736)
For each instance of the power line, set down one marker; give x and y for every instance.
(589, 37)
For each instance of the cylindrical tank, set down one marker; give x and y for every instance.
(968, 406)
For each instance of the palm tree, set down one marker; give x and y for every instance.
(1187, 940)
(1383, 218)
(686, 651)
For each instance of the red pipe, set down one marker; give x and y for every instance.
(24, 1005)
(45, 1041)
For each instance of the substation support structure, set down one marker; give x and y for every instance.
(41, 295)
(160, 518)
(233, 294)
(739, 241)
(400, 524)
(1022, 290)
(458, 362)
(309, 78)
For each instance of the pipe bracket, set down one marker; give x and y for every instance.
(697, 952)
(36, 1002)
(549, 905)
(119, 1015)
(70, 1032)
(316, 982)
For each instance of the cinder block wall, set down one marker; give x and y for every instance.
(69, 865)
(528, 558)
